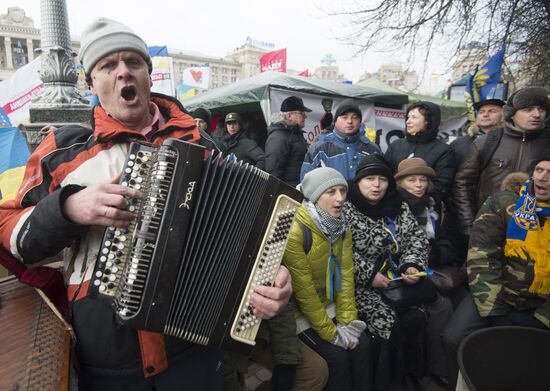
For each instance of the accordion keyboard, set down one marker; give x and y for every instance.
(126, 253)
(246, 325)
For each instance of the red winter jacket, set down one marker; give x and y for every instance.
(33, 227)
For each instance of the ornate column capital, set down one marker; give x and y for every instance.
(57, 70)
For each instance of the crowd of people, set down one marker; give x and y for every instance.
(352, 307)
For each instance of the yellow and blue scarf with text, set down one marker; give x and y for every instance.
(528, 238)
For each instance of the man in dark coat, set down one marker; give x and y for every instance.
(488, 117)
(234, 140)
(524, 137)
(286, 146)
(203, 119)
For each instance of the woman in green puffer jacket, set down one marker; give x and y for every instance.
(319, 258)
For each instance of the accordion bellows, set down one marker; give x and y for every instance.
(204, 235)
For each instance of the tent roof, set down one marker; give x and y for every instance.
(252, 90)
(449, 108)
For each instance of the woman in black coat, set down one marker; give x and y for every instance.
(422, 127)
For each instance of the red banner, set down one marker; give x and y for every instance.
(273, 61)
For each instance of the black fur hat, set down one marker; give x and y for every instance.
(526, 97)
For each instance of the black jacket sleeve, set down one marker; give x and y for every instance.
(277, 152)
(47, 231)
(466, 180)
(257, 155)
(445, 171)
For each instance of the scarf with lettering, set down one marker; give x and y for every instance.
(528, 236)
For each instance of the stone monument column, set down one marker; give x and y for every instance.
(59, 102)
(30, 50)
(9, 53)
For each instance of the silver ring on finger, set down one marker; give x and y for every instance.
(105, 211)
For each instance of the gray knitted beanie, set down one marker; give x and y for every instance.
(317, 181)
(105, 36)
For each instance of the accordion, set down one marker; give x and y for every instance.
(204, 234)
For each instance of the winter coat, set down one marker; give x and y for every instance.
(339, 151)
(242, 147)
(368, 245)
(284, 152)
(500, 283)
(437, 154)
(309, 277)
(462, 145)
(515, 152)
(34, 227)
(443, 251)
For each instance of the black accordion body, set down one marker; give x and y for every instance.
(205, 233)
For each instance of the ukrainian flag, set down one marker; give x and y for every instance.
(482, 83)
(14, 154)
(489, 75)
(185, 91)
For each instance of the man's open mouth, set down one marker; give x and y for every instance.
(541, 189)
(128, 93)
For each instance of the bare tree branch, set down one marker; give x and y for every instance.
(522, 27)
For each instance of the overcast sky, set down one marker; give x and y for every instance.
(217, 27)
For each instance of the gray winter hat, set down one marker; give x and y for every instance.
(105, 36)
(347, 106)
(526, 97)
(319, 180)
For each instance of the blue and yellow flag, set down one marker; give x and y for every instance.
(184, 91)
(14, 154)
(488, 76)
(158, 51)
(483, 82)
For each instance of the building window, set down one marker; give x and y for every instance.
(19, 52)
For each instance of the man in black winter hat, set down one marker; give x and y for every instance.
(203, 117)
(524, 137)
(285, 146)
(344, 147)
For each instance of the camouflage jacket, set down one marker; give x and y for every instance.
(498, 283)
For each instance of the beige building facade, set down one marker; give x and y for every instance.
(18, 40)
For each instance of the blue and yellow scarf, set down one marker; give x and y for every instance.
(527, 239)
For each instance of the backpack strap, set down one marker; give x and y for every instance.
(306, 233)
(489, 147)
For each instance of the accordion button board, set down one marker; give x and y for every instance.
(204, 235)
(245, 326)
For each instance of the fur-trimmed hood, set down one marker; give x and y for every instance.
(473, 130)
(513, 181)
